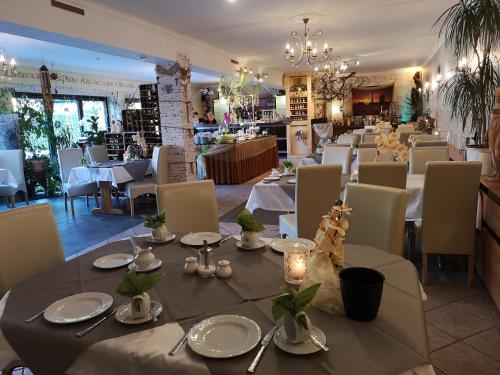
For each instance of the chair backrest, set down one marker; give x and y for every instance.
(97, 154)
(449, 210)
(349, 139)
(159, 165)
(368, 145)
(369, 137)
(338, 155)
(337, 145)
(378, 216)
(404, 138)
(69, 158)
(421, 155)
(316, 191)
(428, 137)
(189, 206)
(406, 129)
(13, 160)
(431, 144)
(23, 256)
(369, 155)
(388, 174)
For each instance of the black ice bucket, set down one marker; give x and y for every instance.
(361, 292)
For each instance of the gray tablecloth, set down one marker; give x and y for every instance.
(396, 341)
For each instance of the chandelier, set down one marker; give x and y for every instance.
(306, 50)
(336, 65)
(4, 69)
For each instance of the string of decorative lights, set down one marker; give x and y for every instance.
(4, 69)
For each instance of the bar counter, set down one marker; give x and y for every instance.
(239, 162)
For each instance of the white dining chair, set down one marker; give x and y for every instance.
(381, 173)
(419, 156)
(427, 137)
(449, 211)
(189, 206)
(369, 137)
(317, 189)
(419, 143)
(338, 155)
(13, 160)
(350, 139)
(366, 155)
(405, 128)
(378, 216)
(159, 167)
(68, 159)
(96, 154)
(368, 145)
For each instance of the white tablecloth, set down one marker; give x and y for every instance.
(115, 175)
(7, 178)
(271, 197)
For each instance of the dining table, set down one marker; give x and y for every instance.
(7, 178)
(108, 175)
(394, 343)
(280, 195)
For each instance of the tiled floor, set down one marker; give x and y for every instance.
(463, 324)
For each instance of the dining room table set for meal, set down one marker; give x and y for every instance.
(131, 305)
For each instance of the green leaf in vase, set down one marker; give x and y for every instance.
(134, 284)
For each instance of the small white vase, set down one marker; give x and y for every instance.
(287, 171)
(160, 233)
(141, 305)
(249, 239)
(144, 258)
(295, 331)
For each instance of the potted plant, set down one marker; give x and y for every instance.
(287, 167)
(135, 286)
(471, 29)
(250, 228)
(159, 230)
(291, 305)
(94, 135)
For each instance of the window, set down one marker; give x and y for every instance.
(95, 108)
(66, 112)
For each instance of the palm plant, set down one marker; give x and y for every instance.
(471, 28)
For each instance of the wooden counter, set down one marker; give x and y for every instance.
(488, 249)
(239, 162)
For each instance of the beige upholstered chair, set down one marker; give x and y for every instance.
(449, 211)
(368, 137)
(159, 166)
(350, 139)
(427, 137)
(369, 154)
(96, 154)
(316, 191)
(13, 160)
(431, 144)
(406, 128)
(388, 174)
(421, 155)
(378, 216)
(189, 206)
(368, 145)
(68, 159)
(338, 155)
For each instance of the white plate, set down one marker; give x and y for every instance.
(113, 261)
(124, 313)
(291, 181)
(169, 238)
(306, 347)
(281, 243)
(156, 264)
(272, 178)
(224, 336)
(262, 242)
(196, 239)
(78, 307)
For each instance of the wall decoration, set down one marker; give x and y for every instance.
(371, 100)
(9, 131)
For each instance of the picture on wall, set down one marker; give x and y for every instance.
(371, 100)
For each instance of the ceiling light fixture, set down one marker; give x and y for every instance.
(306, 50)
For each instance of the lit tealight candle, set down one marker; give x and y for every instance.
(295, 263)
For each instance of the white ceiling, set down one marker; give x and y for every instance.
(33, 53)
(385, 34)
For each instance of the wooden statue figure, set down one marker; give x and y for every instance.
(494, 138)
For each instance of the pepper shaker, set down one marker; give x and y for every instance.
(191, 265)
(224, 270)
(206, 266)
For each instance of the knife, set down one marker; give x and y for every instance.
(317, 342)
(90, 328)
(265, 342)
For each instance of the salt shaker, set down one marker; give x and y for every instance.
(224, 270)
(206, 265)
(191, 265)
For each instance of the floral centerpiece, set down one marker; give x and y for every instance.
(287, 167)
(159, 230)
(327, 259)
(390, 143)
(250, 228)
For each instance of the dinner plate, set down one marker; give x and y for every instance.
(124, 313)
(306, 347)
(280, 244)
(262, 242)
(272, 178)
(156, 264)
(169, 238)
(196, 239)
(224, 336)
(113, 261)
(291, 181)
(78, 307)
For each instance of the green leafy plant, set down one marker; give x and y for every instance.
(292, 301)
(83, 161)
(6, 100)
(248, 223)
(134, 284)
(287, 164)
(94, 135)
(154, 221)
(471, 28)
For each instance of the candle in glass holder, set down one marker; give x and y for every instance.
(295, 263)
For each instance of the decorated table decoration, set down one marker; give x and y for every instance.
(159, 231)
(250, 229)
